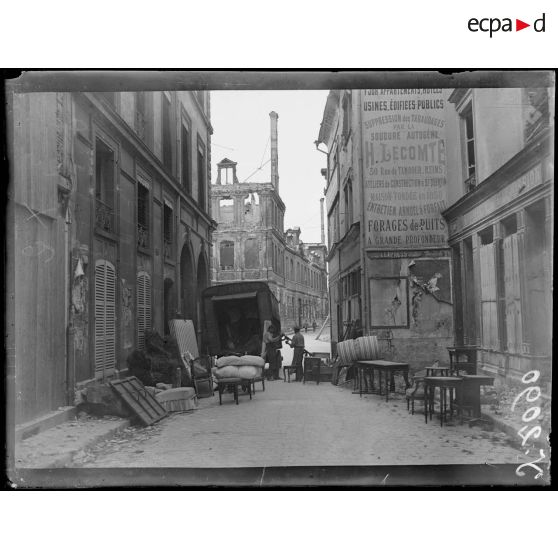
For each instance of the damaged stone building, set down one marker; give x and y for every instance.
(111, 232)
(250, 243)
(439, 207)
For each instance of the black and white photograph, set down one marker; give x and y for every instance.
(279, 279)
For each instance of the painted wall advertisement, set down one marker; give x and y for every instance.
(404, 159)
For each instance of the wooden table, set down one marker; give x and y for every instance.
(385, 368)
(469, 396)
(445, 384)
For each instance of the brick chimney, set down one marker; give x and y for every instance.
(274, 156)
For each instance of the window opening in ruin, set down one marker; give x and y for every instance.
(251, 256)
(226, 254)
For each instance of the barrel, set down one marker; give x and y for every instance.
(367, 348)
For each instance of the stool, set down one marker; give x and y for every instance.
(288, 370)
(232, 383)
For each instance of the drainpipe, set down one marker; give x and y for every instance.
(363, 274)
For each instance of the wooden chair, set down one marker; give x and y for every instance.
(416, 391)
(311, 369)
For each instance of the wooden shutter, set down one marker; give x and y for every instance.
(105, 318)
(512, 293)
(489, 313)
(143, 305)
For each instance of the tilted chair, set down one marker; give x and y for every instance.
(199, 366)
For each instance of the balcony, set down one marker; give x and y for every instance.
(104, 216)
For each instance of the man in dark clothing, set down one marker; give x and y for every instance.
(297, 343)
(272, 355)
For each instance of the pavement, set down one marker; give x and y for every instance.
(288, 424)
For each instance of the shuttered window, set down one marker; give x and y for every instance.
(489, 308)
(105, 318)
(143, 306)
(512, 295)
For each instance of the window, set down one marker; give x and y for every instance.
(226, 254)
(143, 216)
(185, 159)
(105, 318)
(226, 210)
(201, 176)
(143, 305)
(104, 186)
(509, 288)
(489, 310)
(167, 132)
(469, 305)
(537, 266)
(140, 114)
(469, 137)
(168, 230)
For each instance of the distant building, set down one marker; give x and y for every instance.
(501, 228)
(112, 232)
(250, 243)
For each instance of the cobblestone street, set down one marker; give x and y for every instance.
(294, 424)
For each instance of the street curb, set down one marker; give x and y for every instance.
(66, 459)
(511, 432)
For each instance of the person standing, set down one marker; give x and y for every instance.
(271, 353)
(297, 343)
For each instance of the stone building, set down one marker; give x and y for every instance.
(500, 228)
(440, 222)
(250, 243)
(111, 232)
(386, 181)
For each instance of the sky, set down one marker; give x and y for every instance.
(241, 131)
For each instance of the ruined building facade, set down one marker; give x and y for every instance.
(250, 243)
(112, 232)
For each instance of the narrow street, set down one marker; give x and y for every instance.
(301, 424)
